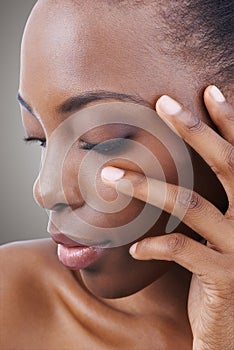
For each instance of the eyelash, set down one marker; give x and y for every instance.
(104, 147)
(35, 140)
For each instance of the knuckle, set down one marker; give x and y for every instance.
(225, 278)
(141, 187)
(230, 272)
(188, 199)
(230, 117)
(225, 166)
(176, 242)
(230, 159)
(135, 185)
(140, 182)
(146, 247)
(195, 124)
(229, 113)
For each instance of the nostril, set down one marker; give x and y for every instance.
(59, 207)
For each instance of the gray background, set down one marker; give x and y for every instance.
(20, 217)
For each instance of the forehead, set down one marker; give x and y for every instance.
(67, 50)
(96, 46)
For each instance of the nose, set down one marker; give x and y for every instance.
(57, 183)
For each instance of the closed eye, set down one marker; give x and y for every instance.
(41, 141)
(106, 147)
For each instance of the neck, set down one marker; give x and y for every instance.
(168, 295)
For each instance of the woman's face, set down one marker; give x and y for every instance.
(69, 52)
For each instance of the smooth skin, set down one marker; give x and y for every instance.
(120, 302)
(211, 294)
(89, 322)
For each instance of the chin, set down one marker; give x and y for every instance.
(118, 284)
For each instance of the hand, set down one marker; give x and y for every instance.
(211, 295)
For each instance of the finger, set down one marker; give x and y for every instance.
(220, 111)
(195, 211)
(192, 255)
(216, 151)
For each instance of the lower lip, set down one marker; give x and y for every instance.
(76, 258)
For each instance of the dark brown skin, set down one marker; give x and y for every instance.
(67, 51)
(47, 307)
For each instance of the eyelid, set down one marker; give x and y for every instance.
(110, 145)
(32, 139)
(87, 145)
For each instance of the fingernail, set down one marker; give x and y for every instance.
(112, 174)
(132, 249)
(216, 94)
(168, 105)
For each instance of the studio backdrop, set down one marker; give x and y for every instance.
(20, 217)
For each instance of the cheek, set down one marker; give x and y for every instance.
(104, 206)
(157, 163)
(152, 159)
(162, 167)
(118, 209)
(125, 213)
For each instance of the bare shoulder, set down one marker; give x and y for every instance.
(26, 256)
(25, 261)
(39, 248)
(28, 274)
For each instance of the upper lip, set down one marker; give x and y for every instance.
(60, 238)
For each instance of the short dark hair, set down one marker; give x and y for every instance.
(201, 32)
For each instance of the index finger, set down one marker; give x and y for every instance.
(213, 148)
(195, 211)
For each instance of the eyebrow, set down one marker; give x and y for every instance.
(24, 104)
(77, 102)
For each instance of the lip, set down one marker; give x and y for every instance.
(76, 258)
(60, 238)
(75, 255)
